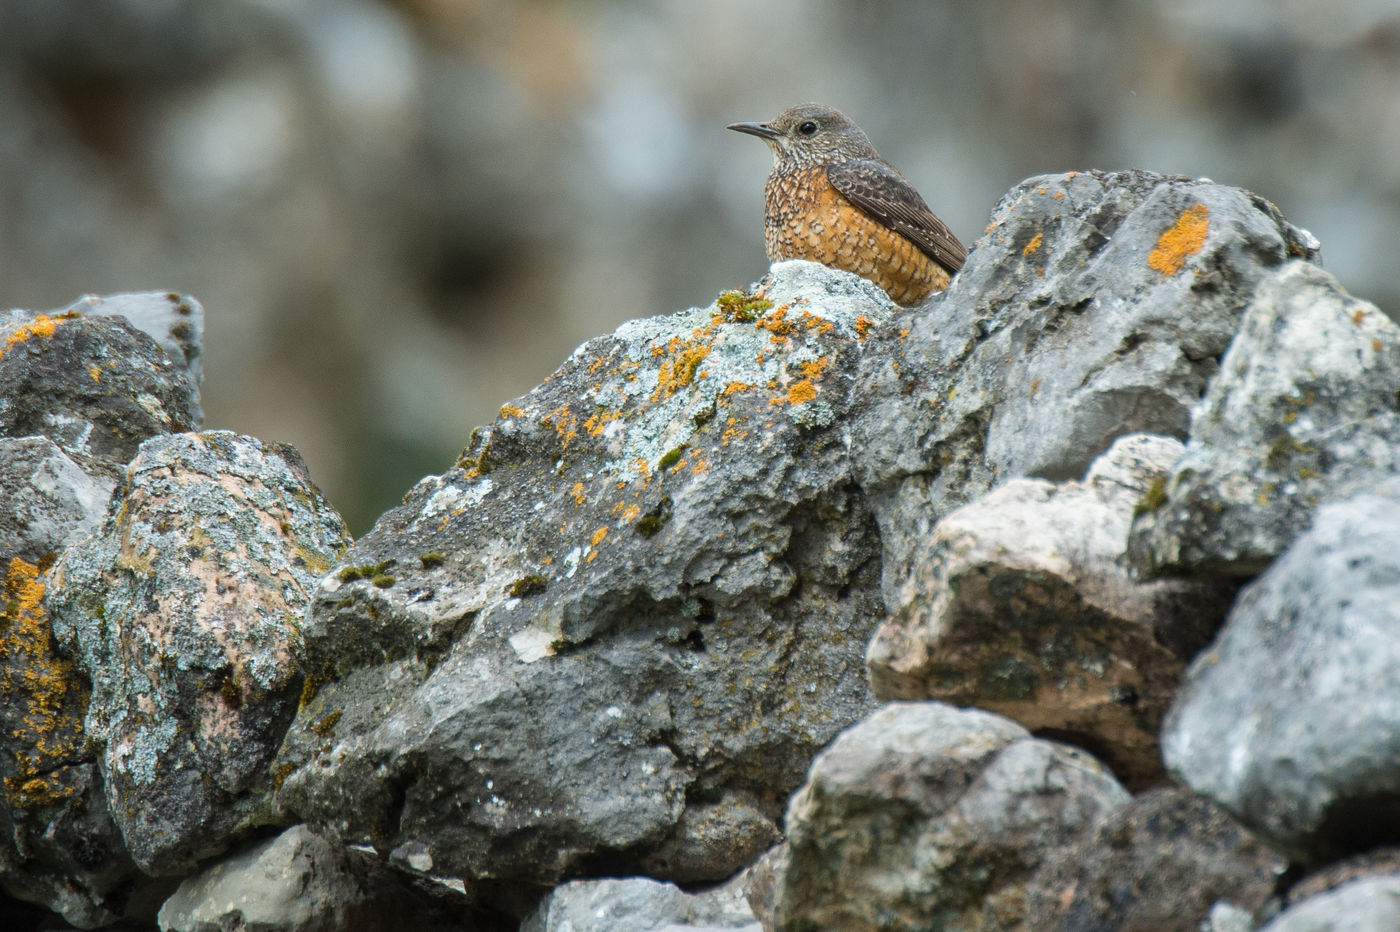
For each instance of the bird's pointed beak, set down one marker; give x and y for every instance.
(761, 130)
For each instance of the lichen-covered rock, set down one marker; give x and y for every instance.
(1096, 305)
(95, 385)
(612, 638)
(184, 610)
(639, 904)
(175, 321)
(1306, 410)
(1371, 904)
(1022, 603)
(1160, 863)
(928, 817)
(1291, 719)
(59, 846)
(301, 882)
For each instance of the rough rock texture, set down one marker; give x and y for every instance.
(1368, 905)
(612, 638)
(301, 882)
(1022, 603)
(174, 321)
(47, 501)
(95, 385)
(637, 904)
(1160, 863)
(1096, 305)
(924, 816)
(1291, 719)
(1306, 410)
(184, 613)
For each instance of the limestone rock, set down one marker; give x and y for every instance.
(47, 501)
(1291, 719)
(184, 612)
(924, 816)
(1164, 862)
(1022, 603)
(1371, 904)
(174, 321)
(1096, 305)
(612, 638)
(1306, 410)
(638, 904)
(300, 882)
(95, 385)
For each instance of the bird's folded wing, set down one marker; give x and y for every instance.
(883, 193)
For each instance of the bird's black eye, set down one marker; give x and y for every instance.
(807, 129)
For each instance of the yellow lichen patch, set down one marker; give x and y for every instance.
(509, 410)
(596, 422)
(798, 393)
(863, 325)
(95, 372)
(734, 387)
(678, 370)
(598, 536)
(46, 685)
(563, 423)
(817, 323)
(630, 513)
(577, 494)
(1059, 195)
(1182, 241)
(41, 326)
(775, 321)
(814, 368)
(1034, 244)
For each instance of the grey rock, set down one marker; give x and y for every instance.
(1371, 904)
(1023, 603)
(1306, 410)
(301, 882)
(924, 816)
(1227, 917)
(1096, 305)
(1164, 862)
(47, 501)
(183, 610)
(175, 321)
(96, 386)
(1290, 719)
(639, 904)
(612, 638)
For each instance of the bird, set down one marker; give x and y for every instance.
(832, 199)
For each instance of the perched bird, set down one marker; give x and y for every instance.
(833, 200)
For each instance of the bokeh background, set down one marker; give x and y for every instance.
(400, 214)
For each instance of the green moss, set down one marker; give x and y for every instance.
(738, 307)
(431, 560)
(653, 521)
(370, 571)
(1153, 498)
(384, 580)
(671, 457)
(231, 694)
(525, 586)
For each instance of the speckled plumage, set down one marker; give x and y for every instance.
(832, 199)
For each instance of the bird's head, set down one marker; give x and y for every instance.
(810, 134)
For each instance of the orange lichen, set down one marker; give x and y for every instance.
(1034, 244)
(1358, 316)
(598, 536)
(595, 423)
(1182, 241)
(798, 393)
(630, 513)
(814, 368)
(47, 686)
(41, 326)
(577, 494)
(509, 410)
(863, 325)
(734, 387)
(679, 370)
(563, 423)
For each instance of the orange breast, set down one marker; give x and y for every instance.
(806, 218)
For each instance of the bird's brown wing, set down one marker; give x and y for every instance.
(883, 193)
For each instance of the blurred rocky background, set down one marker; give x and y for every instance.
(399, 215)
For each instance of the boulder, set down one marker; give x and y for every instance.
(1291, 718)
(184, 613)
(639, 904)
